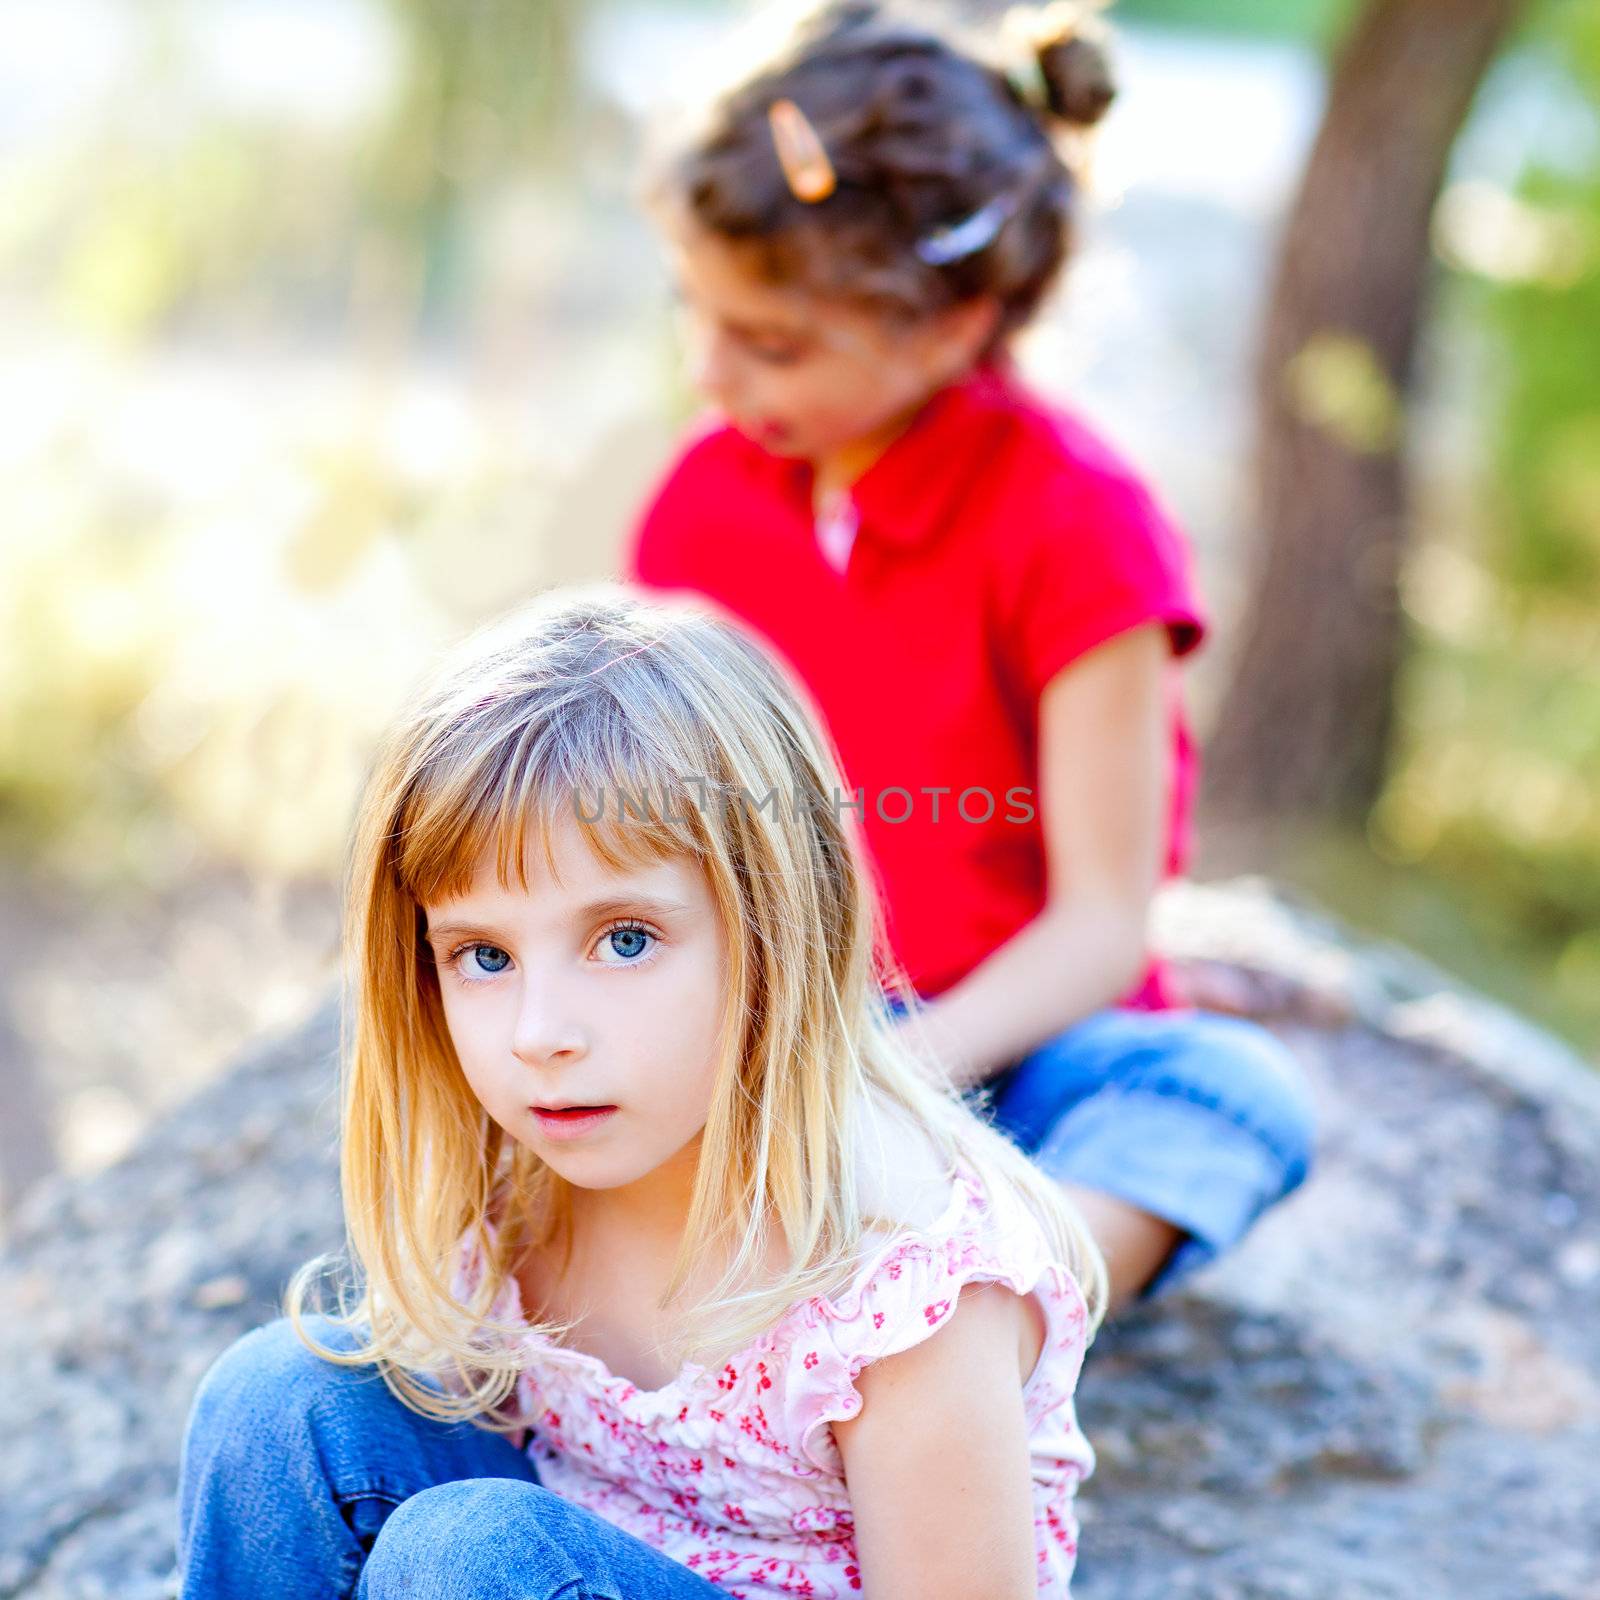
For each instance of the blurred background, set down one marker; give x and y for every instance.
(329, 328)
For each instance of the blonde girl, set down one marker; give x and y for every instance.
(683, 1276)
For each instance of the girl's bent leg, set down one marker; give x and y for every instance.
(1199, 1119)
(291, 1465)
(488, 1540)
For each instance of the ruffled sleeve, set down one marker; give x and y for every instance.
(905, 1292)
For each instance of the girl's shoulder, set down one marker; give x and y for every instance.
(908, 1185)
(936, 1231)
(907, 1286)
(1052, 445)
(914, 1195)
(1075, 542)
(903, 1180)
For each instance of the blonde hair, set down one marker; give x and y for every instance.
(596, 691)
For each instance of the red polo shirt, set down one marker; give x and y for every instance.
(998, 541)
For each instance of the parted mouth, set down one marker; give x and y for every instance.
(570, 1106)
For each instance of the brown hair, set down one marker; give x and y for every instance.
(950, 182)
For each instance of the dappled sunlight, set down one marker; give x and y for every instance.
(1484, 229)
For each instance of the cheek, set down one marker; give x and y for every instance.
(471, 1024)
(471, 1052)
(856, 401)
(707, 1028)
(812, 386)
(694, 1033)
(456, 1016)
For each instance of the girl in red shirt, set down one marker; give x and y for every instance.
(986, 605)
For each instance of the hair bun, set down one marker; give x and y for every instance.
(1076, 68)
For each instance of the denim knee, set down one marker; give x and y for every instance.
(1199, 1118)
(253, 1374)
(488, 1537)
(1241, 1071)
(249, 1427)
(268, 1372)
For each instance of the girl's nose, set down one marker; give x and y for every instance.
(547, 1029)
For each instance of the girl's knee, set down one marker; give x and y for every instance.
(265, 1378)
(1262, 1083)
(488, 1537)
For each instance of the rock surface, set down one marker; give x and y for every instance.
(1390, 1392)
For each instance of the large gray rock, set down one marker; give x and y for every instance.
(119, 1291)
(1392, 1390)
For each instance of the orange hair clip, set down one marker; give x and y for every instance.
(806, 167)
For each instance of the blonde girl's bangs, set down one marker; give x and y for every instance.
(503, 792)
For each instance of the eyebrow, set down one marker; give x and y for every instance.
(610, 906)
(768, 330)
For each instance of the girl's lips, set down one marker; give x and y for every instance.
(573, 1122)
(765, 431)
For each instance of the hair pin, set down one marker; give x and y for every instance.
(806, 167)
(968, 236)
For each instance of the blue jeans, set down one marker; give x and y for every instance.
(1201, 1119)
(302, 1480)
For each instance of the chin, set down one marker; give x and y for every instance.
(597, 1170)
(775, 439)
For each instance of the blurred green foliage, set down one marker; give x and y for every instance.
(1490, 824)
(1544, 311)
(165, 208)
(490, 83)
(179, 639)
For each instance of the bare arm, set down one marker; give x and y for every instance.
(1104, 758)
(937, 1463)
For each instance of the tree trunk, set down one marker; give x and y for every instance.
(1306, 726)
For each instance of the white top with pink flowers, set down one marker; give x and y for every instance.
(736, 1473)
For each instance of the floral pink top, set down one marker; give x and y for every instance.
(736, 1473)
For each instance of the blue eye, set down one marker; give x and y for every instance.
(628, 942)
(488, 959)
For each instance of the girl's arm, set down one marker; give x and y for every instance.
(1104, 762)
(937, 1458)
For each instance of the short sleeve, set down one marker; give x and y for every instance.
(904, 1295)
(1091, 557)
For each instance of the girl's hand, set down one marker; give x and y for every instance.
(937, 1458)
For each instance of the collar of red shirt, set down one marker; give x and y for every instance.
(903, 496)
